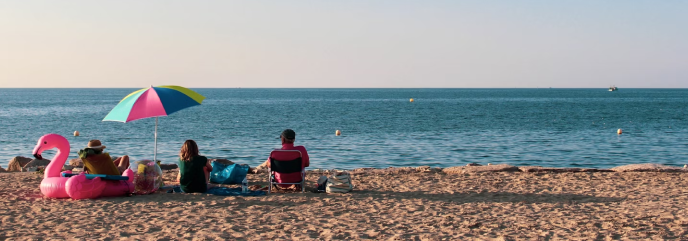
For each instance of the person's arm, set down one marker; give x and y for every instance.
(208, 166)
(179, 174)
(306, 160)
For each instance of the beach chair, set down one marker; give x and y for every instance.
(286, 162)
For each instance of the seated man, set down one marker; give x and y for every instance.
(288, 136)
(98, 162)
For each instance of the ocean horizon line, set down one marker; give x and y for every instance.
(391, 88)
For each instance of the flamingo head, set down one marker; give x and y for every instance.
(48, 142)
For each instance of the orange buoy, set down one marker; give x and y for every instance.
(411, 100)
(619, 131)
(337, 133)
(76, 133)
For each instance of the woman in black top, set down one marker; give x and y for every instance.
(194, 169)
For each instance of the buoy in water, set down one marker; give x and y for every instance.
(337, 133)
(619, 131)
(76, 133)
(411, 100)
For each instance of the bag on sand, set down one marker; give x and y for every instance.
(228, 174)
(322, 184)
(339, 183)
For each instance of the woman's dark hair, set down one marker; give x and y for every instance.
(189, 150)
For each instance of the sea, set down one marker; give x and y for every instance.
(379, 127)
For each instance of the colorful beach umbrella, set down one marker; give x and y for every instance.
(154, 102)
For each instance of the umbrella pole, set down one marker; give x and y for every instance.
(155, 153)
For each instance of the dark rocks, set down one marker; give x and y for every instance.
(16, 164)
(473, 165)
(37, 163)
(20, 163)
(168, 166)
(223, 161)
(428, 169)
(477, 169)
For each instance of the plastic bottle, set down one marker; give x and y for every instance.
(244, 185)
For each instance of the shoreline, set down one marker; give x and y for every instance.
(24, 163)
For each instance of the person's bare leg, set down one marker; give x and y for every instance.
(265, 164)
(207, 178)
(117, 162)
(122, 163)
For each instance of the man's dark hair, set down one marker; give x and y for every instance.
(288, 134)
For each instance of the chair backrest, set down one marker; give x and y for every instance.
(100, 164)
(286, 161)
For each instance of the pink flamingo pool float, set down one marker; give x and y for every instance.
(76, 187)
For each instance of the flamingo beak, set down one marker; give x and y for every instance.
(37, 152)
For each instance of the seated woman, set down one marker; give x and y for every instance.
(194, 169)
(98, 162)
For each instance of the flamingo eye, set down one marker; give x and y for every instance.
(45, 142)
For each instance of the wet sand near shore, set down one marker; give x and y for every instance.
(430, 205)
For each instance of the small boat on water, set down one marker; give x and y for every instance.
(613, 88)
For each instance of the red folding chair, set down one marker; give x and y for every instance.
(286, 162)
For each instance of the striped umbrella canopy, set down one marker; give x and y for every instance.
(154, 102)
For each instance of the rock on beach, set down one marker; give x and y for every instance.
(16, 164)
(37, 163)
(168, 166)
(222, 161)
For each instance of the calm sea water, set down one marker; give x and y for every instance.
(380, 127)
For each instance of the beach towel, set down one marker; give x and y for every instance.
(228, 174)
(223, 191)
(339, 183)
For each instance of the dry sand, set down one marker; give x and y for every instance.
(429, 205)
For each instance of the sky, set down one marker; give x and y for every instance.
(344, 44)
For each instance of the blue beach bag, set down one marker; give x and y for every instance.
(228, 174)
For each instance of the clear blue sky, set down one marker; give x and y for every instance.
(344, 43)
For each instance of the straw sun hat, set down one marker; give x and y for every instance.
(95, 144)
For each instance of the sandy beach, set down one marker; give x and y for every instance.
(411, 204)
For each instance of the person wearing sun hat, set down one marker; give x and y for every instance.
(98, 162)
